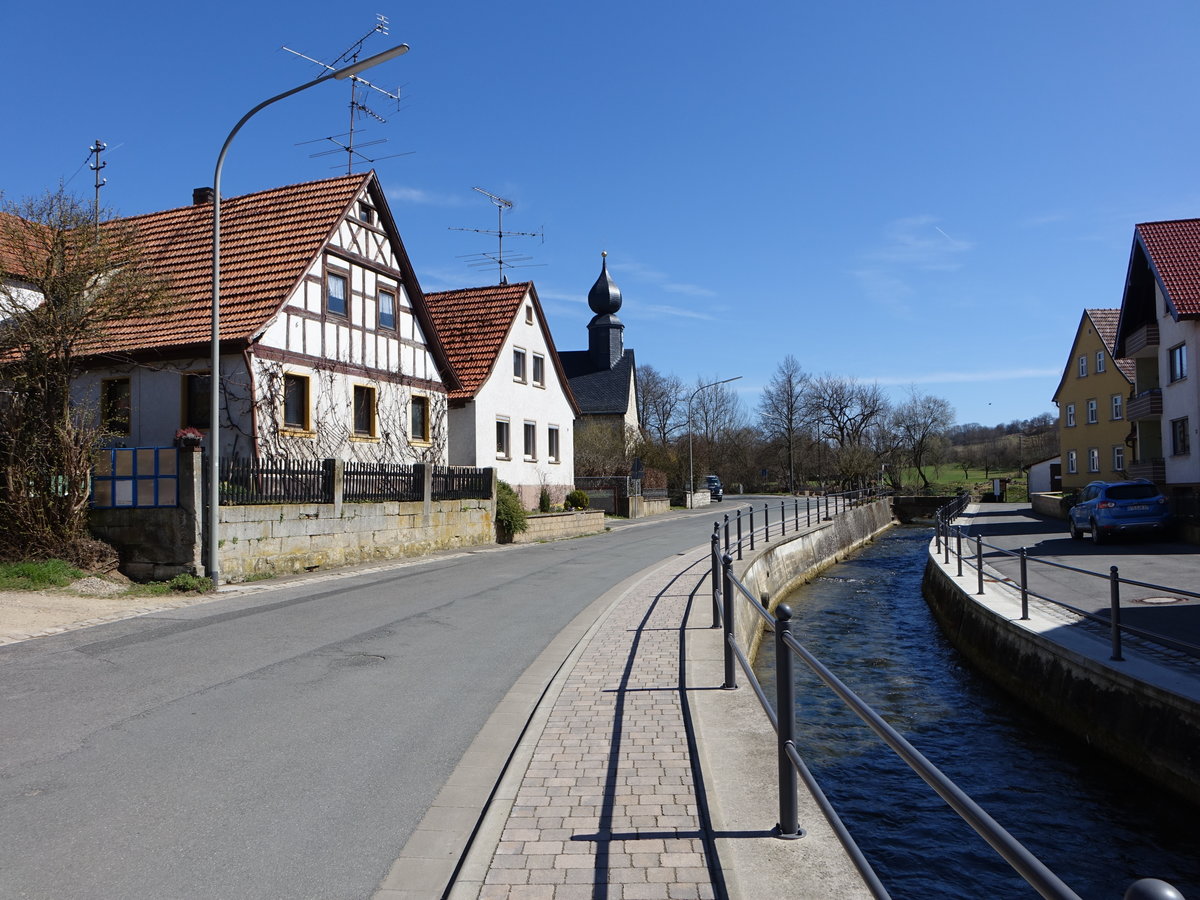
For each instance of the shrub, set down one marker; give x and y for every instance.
(577, 500)
(544, 503)
(510, 514)
(190, 583)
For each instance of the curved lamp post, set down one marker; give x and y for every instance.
(214, 486)
(691, 477)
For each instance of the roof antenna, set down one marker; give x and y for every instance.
(359, 90)
(96, 149)
(482, 260)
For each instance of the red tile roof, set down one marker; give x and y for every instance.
(267, 241)
(1174, 252)
(472, 324)
(1105, 323)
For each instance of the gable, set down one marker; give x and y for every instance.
(1097, 331)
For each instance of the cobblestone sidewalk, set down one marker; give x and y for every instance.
(607, 807)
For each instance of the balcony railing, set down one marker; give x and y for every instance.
(1146, 405)
(1151, 469)
(1143, 340)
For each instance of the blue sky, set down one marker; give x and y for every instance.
(926, 193)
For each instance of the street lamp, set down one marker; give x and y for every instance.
(691, 477)
(214, 486)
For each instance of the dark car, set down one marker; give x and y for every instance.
(1110, 508)
(715, 491)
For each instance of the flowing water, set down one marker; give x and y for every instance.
(1097, 825)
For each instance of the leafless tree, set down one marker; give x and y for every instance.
(661, 404)
(63, 281)
(782, 411)
(717, 416)
(918, 422)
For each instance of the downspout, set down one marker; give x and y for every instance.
(249, 358)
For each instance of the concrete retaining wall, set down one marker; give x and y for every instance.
(556, 526)
(790, 562)
(1153, 730)
(1048, 505)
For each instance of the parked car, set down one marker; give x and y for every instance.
(1110, 508)
(715, 491)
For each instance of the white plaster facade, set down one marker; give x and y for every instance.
(519, 401)
(1180, 397)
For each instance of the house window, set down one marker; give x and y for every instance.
(1093, 459)
(418, 415)
(1093, 412)
(366, 213)
(1117, 406)
(518, 365)
(539, 370)
(1178, 362)
(335, 294)
(530, 441)
(387, 309)
(1180, 439)
(503, 447)
(1099, 361)
(197, 400)
(1118, 457)
(1083, 367)
(1072, 464)
(115, 407)
(364, 411)
(1070, 415)
(552, 448)
(295, 402)
(528, 313)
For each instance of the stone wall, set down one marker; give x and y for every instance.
(555, 526)
(1152, 729)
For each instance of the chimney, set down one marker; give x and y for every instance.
(202, 195)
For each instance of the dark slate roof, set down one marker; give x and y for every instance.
(599, 392)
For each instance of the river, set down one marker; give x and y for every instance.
(1097, 825)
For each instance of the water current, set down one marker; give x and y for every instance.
(1097, 825)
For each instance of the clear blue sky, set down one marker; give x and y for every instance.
(921, 193)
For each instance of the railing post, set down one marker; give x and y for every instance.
(1024, 585)
(808, 512)
(716, 576)
(827, 519)
(752, 528)
(946, 544)
(958, 549)
(785, 710)
(726, 532)
(782, 519)
(767, 523)
(796, 513)
(739, 532)
(727, 595)
(937, 533)
(1115, 615)
(979, 560)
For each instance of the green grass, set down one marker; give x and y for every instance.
(183, 583)
(950, 481)
(37, 576)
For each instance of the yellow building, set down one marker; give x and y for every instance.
(1091, 397)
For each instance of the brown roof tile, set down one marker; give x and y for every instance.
(267, 241)
(472, 324)
(1174, 251)
(1105, 323)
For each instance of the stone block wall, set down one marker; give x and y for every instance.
(555, 526)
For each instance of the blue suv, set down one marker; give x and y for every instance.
(1109, 508)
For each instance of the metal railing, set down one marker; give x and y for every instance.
(792, 768)
(248, 482)
(379, 482)
(949, 539)
(780, 515)
(461, 483)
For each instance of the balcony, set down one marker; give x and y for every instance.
(1143, 342)
(1151, 469)
(1146, 405)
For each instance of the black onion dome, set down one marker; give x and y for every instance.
(605, 297)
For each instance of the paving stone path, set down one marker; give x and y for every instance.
(607, 809)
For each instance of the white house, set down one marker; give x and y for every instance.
(327, 349)
(514, 409)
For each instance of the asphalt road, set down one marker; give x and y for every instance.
(282, 742)
(1170, 566)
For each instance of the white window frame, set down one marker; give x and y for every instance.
(553, 444)
(1093, 412)
(1118, 457)
(1070, 415)
(1072, 463)
(1118, 406)
(1099, 361)
(1093, 459)
(538, 371)
(1181, 437)
(1083, 367)
(503, 438)
(519, 365)
(529, 441)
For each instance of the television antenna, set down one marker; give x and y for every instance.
(360, 91)
(497, 259)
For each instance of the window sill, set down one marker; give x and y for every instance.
(421, 442)
(364, 439)
(295, 432)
